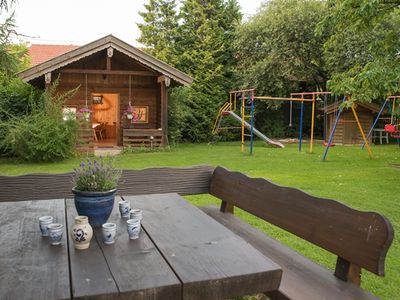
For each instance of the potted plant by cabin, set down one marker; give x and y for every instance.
(129, 112)
(85, 111)
(95, 185)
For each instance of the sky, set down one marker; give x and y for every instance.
(82, 21)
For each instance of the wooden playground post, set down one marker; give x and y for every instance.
(243, 111)
(312, 123)
(393, 108)
(361, 130)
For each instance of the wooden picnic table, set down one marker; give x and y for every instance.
(181, 253)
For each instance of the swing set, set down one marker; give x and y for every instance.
(247, 96)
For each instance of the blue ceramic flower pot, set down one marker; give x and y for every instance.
(97, 206)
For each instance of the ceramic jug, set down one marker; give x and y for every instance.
(81, 233)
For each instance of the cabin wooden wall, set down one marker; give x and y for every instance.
(145, 91)
(347, 132)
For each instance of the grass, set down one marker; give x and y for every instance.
(348, 176)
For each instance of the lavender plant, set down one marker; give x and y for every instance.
(96, 176)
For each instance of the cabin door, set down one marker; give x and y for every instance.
(105, 119)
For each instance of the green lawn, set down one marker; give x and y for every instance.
(348, 176)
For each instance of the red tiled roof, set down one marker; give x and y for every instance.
(40, 53)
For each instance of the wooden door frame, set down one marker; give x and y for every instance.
(117, 111)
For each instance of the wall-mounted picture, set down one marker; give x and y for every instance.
(140, 114)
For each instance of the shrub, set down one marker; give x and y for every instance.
(17, 99)
(41, 135)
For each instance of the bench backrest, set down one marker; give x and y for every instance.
(358, 238)
(184, 181)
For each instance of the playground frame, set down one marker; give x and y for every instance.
(302, 97)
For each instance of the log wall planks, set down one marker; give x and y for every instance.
(347, 131)
(144, 90)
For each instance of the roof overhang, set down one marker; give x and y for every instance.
(101, 44)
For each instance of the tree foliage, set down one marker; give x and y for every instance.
(278, 48)
(158, 30)
(196, 39)
(11, 57)
(203, 46)
(365, 44)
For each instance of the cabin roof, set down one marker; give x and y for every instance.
(40, 53)
(335, 106)
(99, 45)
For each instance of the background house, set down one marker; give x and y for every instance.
(110, 74)
(347, 131)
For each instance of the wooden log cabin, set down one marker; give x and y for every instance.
(109, 75)
(347, 131)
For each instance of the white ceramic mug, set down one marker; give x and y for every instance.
(55, 233)
(124, 208)
(109, 231)
(44, 222)
(133, 228)
(136, 214)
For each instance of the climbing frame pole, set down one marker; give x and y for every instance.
(375, 121)
(312, 123)
(332, 134)
(353, 108)
(251, 98)
(242, 113)
(301, 125)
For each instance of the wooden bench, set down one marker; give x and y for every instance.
(142, 137)
(184, 181)
(359, 239)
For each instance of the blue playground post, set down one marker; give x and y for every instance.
(325, 116)
(333, 131)
(252, 122)
(375, 121)
(301, 125)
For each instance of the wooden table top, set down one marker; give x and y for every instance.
(181, 253)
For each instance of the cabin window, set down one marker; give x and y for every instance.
(69, 113)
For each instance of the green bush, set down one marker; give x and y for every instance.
(39, 138)
(41, 135)
(17, 99)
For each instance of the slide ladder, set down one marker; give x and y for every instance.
(226, 107)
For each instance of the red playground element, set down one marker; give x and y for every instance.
(391, 128)
(326, 144)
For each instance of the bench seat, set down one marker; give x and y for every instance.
(302, 278)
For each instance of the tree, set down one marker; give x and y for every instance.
(278, 48)
(197, 40)
(204, 38)
(158, 30)
(365, 33)
(13, 58)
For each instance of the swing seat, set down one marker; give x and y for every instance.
(395, 135)
(391, 128)
(326, 144)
